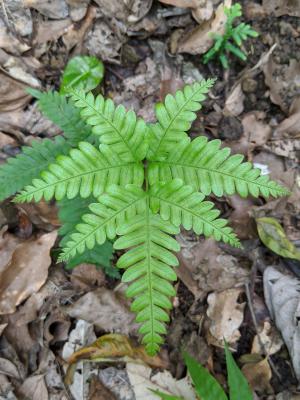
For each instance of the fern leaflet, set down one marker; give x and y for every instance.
(148, 264)
(206, 167)
(19, 171)
(182, 205)
(85, 171)
(111, 211)
(175, 117)
(125, 134)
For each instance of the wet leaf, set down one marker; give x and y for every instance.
(82, 72)
(273, 236)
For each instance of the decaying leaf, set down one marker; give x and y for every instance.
(114, 347)
(258, 375)
(234, 104)
(199, 40)
(12, 94)
(225, 314)
(256, 131)
(24, 269)
(273, 236)
(105, 310)
(290, 127)
(56, 9)
(282, 295)
(34, 388)
(267, 341)
(142, 381)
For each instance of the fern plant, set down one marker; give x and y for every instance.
(232, 39)
(144, 181)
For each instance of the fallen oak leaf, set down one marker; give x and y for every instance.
(113, 348)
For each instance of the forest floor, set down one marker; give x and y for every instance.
(47, 312)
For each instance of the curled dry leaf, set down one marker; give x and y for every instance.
(10, 43)
(106, 310)
(258, 375)
(23, 269)
(199, 40)
(226, 315)
(234, 104)
(202, 10)
(114, 347)
(282, 295)
(142, 382)
(204, 268)
(267, 342)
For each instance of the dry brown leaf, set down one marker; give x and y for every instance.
(9, 369)
(24, 270)
(34, 388)
(234, 104)
(87, 276)
(106, 310)
(99, 392)
(225, 314)
(56, 9)
(56, 327)
(268, 341)
(240, 219)
(204, 267)
(77, 9)
(51, 30)
(10, 43)
(199, 40)
(282, 7)
(291, 125)
(258, 375)
(12, 94)
(202, 10)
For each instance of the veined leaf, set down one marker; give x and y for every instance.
(165, 396)
(85, 171)
(111, 211)
(175, 117)
(206, 167)
(19, 171)
(181, 204)
(206, 386)
(238, 386)
(148, 266)
(121, 130)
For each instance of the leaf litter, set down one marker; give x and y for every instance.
(49, 314)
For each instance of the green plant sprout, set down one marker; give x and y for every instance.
(208, 388)
(224, 43)
(143, 181)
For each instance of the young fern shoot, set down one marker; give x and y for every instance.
(145, 203)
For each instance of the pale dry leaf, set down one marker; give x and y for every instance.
(282, 295)
(113, 8)
(142, 380)
(25, 272)
(77, 9)
(204, 267)
(138, 9)
(226, 315)
(51, 30)
(268, 340)
(282, 7)
(259, 375)
(290, 127)
(117, 381)
(9, 369)
(10, 43)
(256, 131)
(106, 310)
(200, 39)
(34, 388)
(12, 94)
(55, 9)
(234, 104)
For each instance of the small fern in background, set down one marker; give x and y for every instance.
(232, 39)
(139, 182)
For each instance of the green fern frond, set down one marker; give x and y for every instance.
(204, 166)
(19, 171)
(70, 214)
(66, 116)
(149, 266)
(242, 32)
(182, 205)
(175, 117)
(85, 171)
(112, 209)
(121, 130)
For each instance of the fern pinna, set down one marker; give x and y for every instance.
(141, 182)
